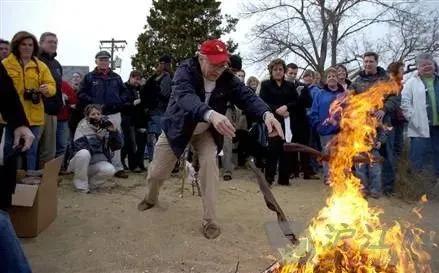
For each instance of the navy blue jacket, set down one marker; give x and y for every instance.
(186, 105)
(106, 90)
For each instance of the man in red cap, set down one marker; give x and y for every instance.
(201, 88)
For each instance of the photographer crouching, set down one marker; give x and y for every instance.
(95, 140)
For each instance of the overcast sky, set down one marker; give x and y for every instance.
(80, 24)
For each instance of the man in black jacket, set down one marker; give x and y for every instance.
(128, 117)
(52, 105)
(201, 88)
(105, 87)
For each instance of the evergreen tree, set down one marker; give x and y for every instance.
(177, 27)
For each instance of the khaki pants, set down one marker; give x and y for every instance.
(164, 161)
(48, 139)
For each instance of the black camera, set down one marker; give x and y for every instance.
(32, 95)
(103, 123)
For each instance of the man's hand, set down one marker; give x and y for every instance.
(273, 126)
(281, 111)
(222, 124)
(24, 133)
(379, 115)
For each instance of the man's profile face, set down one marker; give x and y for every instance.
(370, 65)
(211, 71)
(4, 51)
(291, 74)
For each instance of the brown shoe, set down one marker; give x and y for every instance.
(121, 174)
(211, 230)
(144, 205)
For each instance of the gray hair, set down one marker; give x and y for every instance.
(424, 57)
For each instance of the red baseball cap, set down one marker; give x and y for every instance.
(215, 50)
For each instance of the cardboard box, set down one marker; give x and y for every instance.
(34, 207)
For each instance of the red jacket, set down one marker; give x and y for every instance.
(69, 99)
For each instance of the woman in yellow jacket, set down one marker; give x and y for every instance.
(32, 80)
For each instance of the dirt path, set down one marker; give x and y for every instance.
(104, 232)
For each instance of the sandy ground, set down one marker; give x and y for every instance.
(104, 232)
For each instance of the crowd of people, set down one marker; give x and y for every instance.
(106, 127)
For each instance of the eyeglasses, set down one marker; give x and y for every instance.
(220, 67)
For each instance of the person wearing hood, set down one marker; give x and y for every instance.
(371, 74)
(326, 125)
(54, 104)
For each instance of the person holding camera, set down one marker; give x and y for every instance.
(95, 141)
(33, 81)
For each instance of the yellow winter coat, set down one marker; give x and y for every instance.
(31, 76)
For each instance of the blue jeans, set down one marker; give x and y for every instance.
(12, 258)
(424, 152)
(31, 154)
(62, 137)
(324, 140)
(370, 175)
(154, 131)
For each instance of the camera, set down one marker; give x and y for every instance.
(32, 95)
(103, 123)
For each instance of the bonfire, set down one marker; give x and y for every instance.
(347, 234)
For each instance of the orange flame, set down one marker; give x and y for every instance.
(347, 234)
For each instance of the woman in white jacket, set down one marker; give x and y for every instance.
(420, 106)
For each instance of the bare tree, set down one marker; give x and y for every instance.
(318, 30)
(411, 35)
